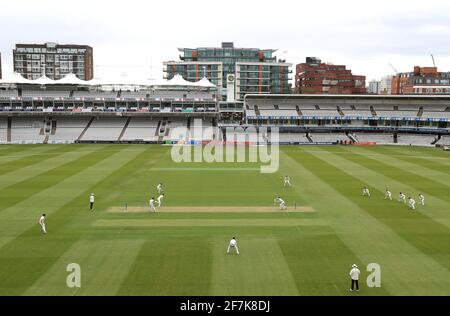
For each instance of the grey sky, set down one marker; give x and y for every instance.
(364, 35)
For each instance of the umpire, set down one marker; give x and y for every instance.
(354, 275)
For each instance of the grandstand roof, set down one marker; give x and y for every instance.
(16, 78)
(71, 79)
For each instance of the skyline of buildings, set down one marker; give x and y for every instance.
(237, 71)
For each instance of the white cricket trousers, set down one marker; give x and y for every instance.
(43, 229)
(237, 249)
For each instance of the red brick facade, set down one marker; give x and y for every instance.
(315, 77)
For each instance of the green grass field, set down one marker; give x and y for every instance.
(184, 253)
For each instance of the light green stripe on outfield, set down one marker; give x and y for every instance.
(260, 269)
(417, 169)
(405, 270)
(35, 151)
(117, 223)
(431, 156)
(42, 167)
(56, 196)
(104, 266)
(436, 208)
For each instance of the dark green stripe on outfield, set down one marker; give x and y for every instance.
(32, 253)
(179, 266)
(430, 237)
(421, 183)
(434, 164)
(34, 158)
(320, 264)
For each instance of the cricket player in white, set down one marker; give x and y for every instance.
(421, 199)
(91, 201)
(280, 202)
(42, 223)
(366, 191)
(233, 244)
(411, 203)
(159, 199)
(159, 188)
(388, 195)
(287, 181)
(152, 204)
(354, 275)
(402, 197)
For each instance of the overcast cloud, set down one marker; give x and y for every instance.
(132, 38)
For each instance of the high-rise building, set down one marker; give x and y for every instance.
(423, 80)
(374, 87)
(53, 60)
(236, 71)
(385, 85)
(315, 77)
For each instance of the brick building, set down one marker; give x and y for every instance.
(423, 80)
(315, 77)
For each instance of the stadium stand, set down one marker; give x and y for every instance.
(3, 129)
(421, 140)
(328, 137)
(445, 140)
(27, 130)
(94, 95)
(45, 94)
(68, 129)
(293, 137)
(9, 93)
(379, 138)
(105, 129)
(141, 128)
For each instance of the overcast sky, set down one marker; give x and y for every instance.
(133, 38)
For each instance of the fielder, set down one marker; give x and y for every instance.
(280, 202)
(421, 199)
(152, 204)
(388, 195)
(159, 188)
(233, 244)
(159, 200)
(402, 197)
(411, 203)
(366, 192)
(91, 201)
(287, 181)
(42, 223)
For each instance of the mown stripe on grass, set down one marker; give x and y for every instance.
(330, 277)
(104, 265)
(402, 264)
(424, 175)
(428, 160)
(11, 155)
(178, 266)
(11, 150)
(260, 269)
(30, 159)
(205, 222)
(22, 191)
(412, 181)
(370, 171)
(428, 236)
(34, 252)
(41, 167)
